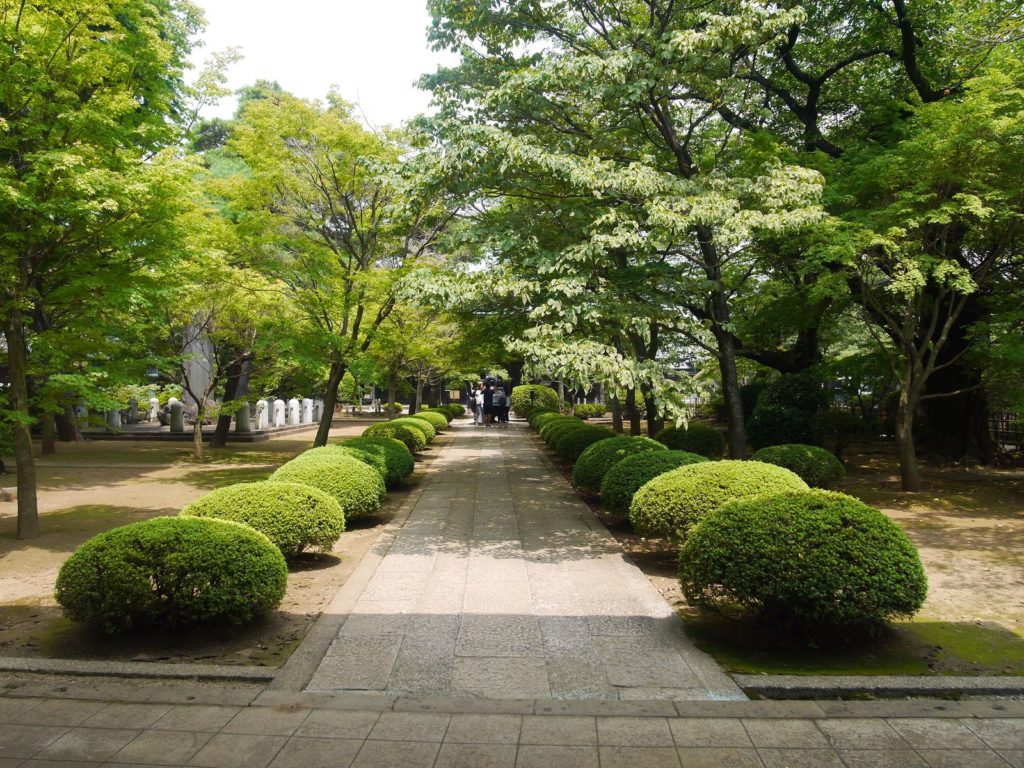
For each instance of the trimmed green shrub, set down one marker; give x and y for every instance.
(815, 466)
(421, 424)
(398, 460)
(697, 438)
(800, 391)
(369, 459)
(815, 560)
(573, 443)
(542, 416)
(589, 410)
(414, 439)
(457, 410)
(522, 403)
(436, 419)
(554, 430)
(294, 517)
(444, 410)
(357, 487)
(172, 572)
(628, 476)
(671, 504)
(594, 463)
(780, 425)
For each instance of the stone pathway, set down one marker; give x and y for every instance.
(502, 584)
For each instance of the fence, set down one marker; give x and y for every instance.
(1007, 430)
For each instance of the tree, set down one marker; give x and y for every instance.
(336, 215)
(89, 91)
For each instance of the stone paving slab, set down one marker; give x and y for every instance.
(532, 598)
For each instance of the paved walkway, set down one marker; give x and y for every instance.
(503, 585)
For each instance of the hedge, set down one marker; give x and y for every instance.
(553, 431)
(594, 463)
(815, 466)
(398, 460)
(781, 425)
(672, 503)
(574, 442)
(696, 438)
(543, 397)
(436, 419)
(624, 479)
(357, 487)
(589, 410)
(457, 410)
(414, 439)
(170, 572)
(542, 416)
(424, 426)
(294, 517)
(815, 560)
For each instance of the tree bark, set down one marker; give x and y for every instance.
(910, 472)
(49, 433)
(655, 421)
(418, 400)
(17, 362)
(197, 435)
(389, 411)
(632, 413)
(616, 407)
(736, 428)
(330, 401)
(235, 386)
(67, 426)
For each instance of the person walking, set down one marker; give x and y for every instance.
(501, 405)
(478, 405)
(488, 402)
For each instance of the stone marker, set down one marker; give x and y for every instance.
(243, 424)
(278, 413)
(133, 411)
(154, 410)
(177, 415)
(293, 412)
(114, 420)
(307, 410)
(263, 408)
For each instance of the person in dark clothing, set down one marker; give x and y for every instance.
(488, 405)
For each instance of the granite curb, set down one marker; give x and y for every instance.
(882, 686)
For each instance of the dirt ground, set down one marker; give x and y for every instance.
(90, 487)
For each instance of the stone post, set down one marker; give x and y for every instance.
(243, 424)
(307, 410)
(263, 412)
(114, 420)
(278, 413)
(293, 412)
(154, 410)
(177, 415)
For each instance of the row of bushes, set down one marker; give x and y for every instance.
(754, 538)
(224, 558)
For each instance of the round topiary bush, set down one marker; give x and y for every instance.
(523, 402)
(397, 458)
(815, 466)
(357, 487)
(697, 438)
(424, 426)
(594, 463)
(172, 572)
(414, 439)
(444, 410)
(294, 517)
(625, 478)
(537, 419)
(781, 425)
(672, 503)
(554, 430)
(436, 419)
(457, 410)
(815, 560)
(573, 443)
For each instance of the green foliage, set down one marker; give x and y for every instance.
(541, 416)
(444, 410)
(779, 425)
(625, 478)
(436, 419)
(573, 443)
(594, 463)
(457, 411)
(414, 439)
(552, 432)
(294, 517)
(589, 410)
(812, 560)
(815, 466)
(398, 459)
(170, 572)
(695, 438)
(357, 487)
(422, 425)
(528, 397)
(672, 503)
(801, 391)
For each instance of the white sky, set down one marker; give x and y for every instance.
(372, 50)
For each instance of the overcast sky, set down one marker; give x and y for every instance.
(372, 50)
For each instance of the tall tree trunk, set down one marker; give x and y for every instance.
(616, 407)
(392, 387)
(655, 421)
(28, 510)
(49, 433)
(417, 402)
(235, 386)
(632, 412)
(736, 428)
(910, 472)
(330, 401)
(197, 433)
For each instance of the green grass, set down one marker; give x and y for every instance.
(907, 648)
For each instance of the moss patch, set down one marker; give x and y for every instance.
(908, 648)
